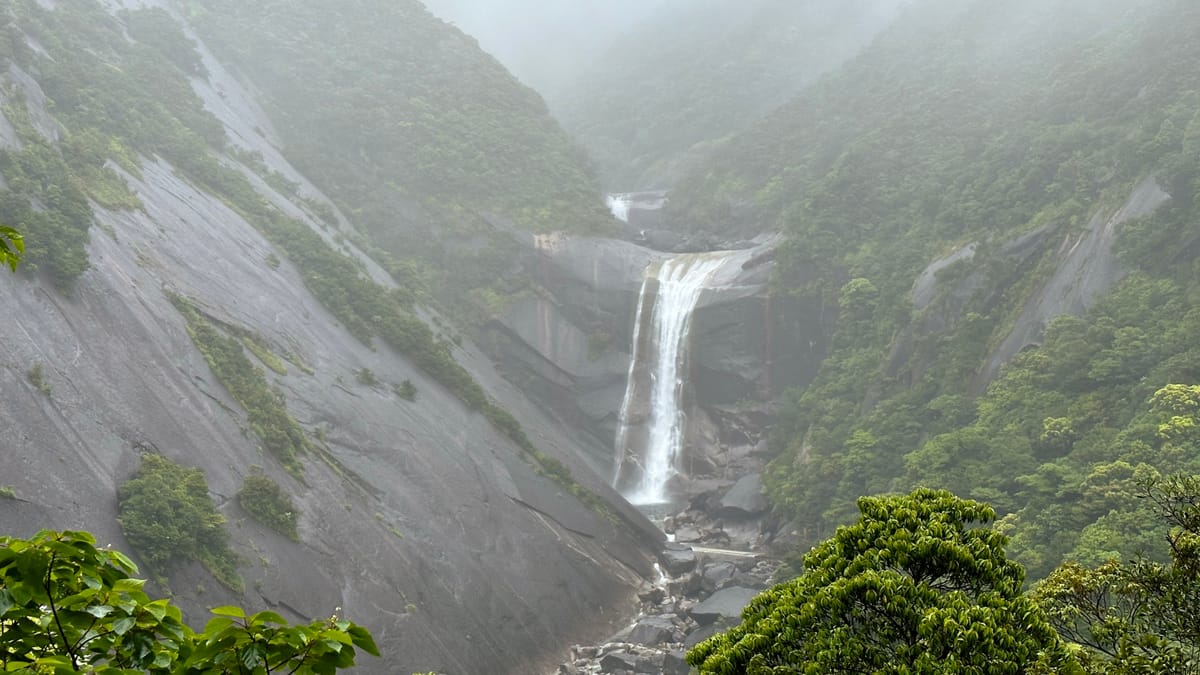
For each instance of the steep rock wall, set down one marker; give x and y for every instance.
(1086, 268)
(569, 344)
(422, 522)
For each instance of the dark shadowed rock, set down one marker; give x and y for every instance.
(653, 596)
(653, 630)
(727, 603)
(616, 662)
(685, 585)
(704, 632)
(678, 560)
(717, 574)
(674, 664)
(745, 498)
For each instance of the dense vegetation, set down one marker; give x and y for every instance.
(263, 499)
(111, 98)
(266, 410)
(410, 128)
(168, 517)
(975, 122)
(920, 585)
(698, 71)
(68, 607)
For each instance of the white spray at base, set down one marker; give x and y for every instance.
(680, 282)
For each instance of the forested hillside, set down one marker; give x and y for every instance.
(696, 72)
(1002, 138)
(410, 128)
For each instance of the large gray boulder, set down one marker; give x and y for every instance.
(654, 630)
(745, 498)
(677, 560)
(726, 603)
(675, 663)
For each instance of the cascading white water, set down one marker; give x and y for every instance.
(663, 352)
(620, 204)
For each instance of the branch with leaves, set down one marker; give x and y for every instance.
(12, 247)
(67, 606)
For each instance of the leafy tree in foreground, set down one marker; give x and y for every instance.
(1139, 617)
(66, 607)
(12, 247)
(917, 585)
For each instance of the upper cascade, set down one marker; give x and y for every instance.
(653, 418)
(619, 205)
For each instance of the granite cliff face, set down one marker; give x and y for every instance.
(419, 519)
(569, 344)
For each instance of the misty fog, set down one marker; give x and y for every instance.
(546, 42)
(600, 337)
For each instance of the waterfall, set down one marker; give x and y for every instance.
(620, 204)
(652, 422)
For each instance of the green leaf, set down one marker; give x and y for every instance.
(363, 640)
(215, 625)
(125, 585)
(122, 625)
(267, 617)
(253, 656)
(229, 610)
(99, 611)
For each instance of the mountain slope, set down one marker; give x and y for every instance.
(410, 128)
(977, 172)
(425, 511)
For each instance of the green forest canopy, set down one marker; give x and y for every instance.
(978, 122)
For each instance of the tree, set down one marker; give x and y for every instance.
(12, 247)
(168, 516)
(67, 606)
(1142, 616)
(917, 585)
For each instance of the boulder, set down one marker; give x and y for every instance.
(716, 574)
(653, 630)
(704, 632)
(745, 498)
(685, 585)
(674, 663)
(678, 560)
(653, 596)
(618, 662)
(726, 603)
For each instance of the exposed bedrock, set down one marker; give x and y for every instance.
(569, 345)
(1083, 268)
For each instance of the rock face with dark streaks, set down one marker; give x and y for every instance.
(569, 346)
(417, 517)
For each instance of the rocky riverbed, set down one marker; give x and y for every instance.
(720, 561)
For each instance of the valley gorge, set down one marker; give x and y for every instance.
(559, 386)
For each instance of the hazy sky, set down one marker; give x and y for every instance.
(544, 41)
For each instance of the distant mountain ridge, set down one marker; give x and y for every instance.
(696, 72)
